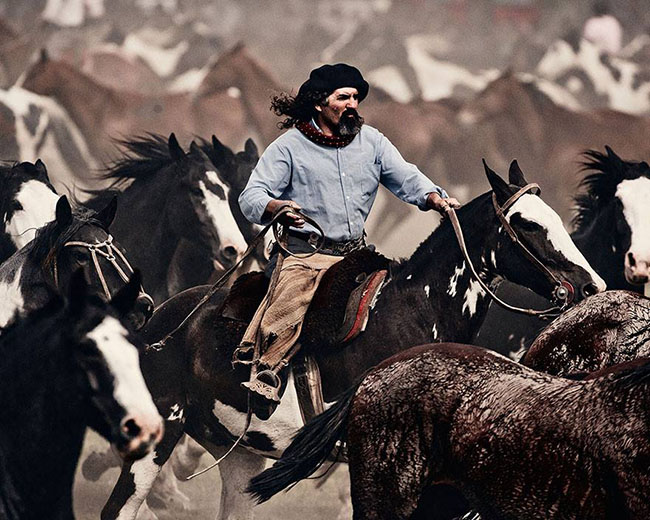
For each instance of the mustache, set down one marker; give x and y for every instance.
(350, 122)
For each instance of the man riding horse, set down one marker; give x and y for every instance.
(328, 166)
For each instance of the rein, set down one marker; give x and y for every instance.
(278, 234)
(562, 289)
(107, 250)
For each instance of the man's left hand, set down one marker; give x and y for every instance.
(437, 203)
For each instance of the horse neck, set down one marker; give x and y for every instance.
(597, 243)
(54, 416)
(84, 99)
(437, 282)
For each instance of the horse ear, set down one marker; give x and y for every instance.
(515, 175)
(107, 215)
(251, 149)
(77, 292)
(219, 150)
(40, 167)
(63, 211)
(175, 150)
(499, 186)
(612, 155)
(124, 300)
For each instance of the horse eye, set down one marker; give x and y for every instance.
(527, 225)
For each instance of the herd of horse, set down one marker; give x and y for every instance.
(433, 426)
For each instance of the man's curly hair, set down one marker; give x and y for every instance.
(299, 108)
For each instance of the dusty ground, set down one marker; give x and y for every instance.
(306, 500)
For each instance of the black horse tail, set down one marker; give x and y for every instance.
(308, 450)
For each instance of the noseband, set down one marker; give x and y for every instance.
(563, 292)
(107, 250)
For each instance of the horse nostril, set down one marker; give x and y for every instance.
(230, 252)
(589, 289)
(131, 429)
(631, 260)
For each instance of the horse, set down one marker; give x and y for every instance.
(65, 366)
(431, 296)
(36, 126)
(516, 442)
(611, 328)
(610, 213)
(181, 204)
(514, 118)
(45, 265)
(603, 81)
(27, 203)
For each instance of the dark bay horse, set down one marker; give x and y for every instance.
(174, 219)
(431, 296)
(610, 229)
(65, 366)
(44, 266)
(27, 202)
(519, 444)
(611, 328)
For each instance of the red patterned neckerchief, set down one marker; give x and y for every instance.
(318, 137)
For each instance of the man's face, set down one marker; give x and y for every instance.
(339, 113)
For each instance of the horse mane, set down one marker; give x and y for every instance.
(145, 155)
(51, 237)
(599, 185)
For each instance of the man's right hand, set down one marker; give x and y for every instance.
(289, 218)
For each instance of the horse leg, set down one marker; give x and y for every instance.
(137, 478)
(236, 471)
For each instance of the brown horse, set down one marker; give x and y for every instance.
(610, 328)
(513, 118)
(103, 113)
(519, 444)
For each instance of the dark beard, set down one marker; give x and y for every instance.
(350, 122)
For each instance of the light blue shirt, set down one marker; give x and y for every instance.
(334, 186)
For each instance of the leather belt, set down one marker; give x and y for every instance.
(329, 246)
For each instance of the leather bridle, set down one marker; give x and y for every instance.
(108, 251)
(563, 292)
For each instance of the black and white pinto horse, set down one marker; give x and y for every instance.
(66, 366)
(27, 202)
(597, 79)
(611, 225)
(430, 297)
(45, 265)
(519, 444)
(175, 215)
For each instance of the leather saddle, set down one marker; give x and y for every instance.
(340, 307)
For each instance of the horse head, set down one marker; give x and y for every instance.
(106, 352)
(533, 247)
(81, 239)
(614, 209)
(28, 202)
(210, 196)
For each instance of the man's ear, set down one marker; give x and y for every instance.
(319, 108)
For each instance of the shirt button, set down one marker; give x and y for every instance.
(342, 174)
(348, 197)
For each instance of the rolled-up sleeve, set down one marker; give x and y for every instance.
(402, 178)
(267, 181)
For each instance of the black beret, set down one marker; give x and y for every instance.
(328, 78)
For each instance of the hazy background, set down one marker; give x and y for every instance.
(451, 82)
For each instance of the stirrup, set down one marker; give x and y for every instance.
(265, 384)
(243, 355)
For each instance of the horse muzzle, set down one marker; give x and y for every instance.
(138, 436)
(637, 271)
